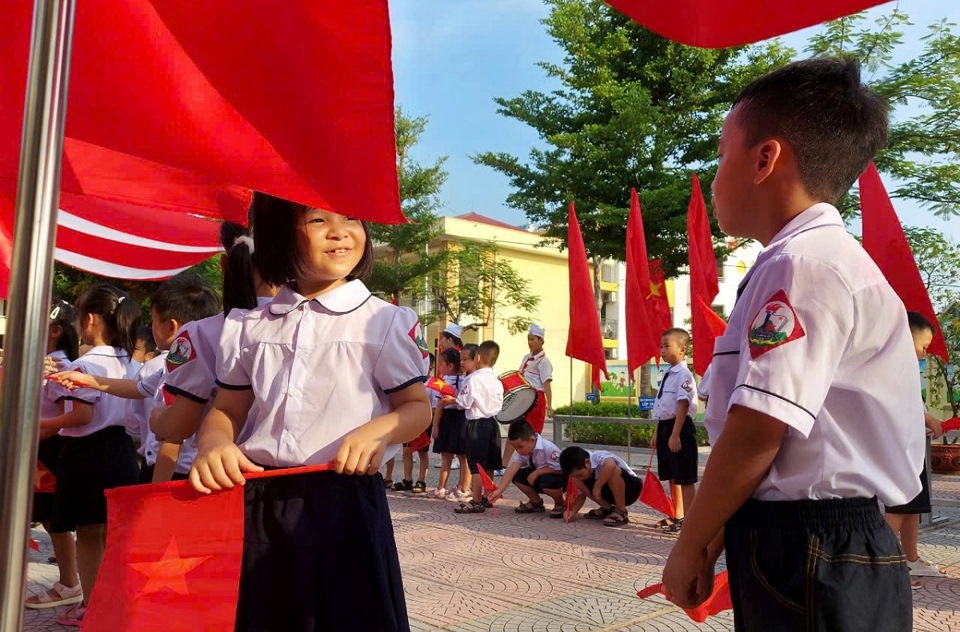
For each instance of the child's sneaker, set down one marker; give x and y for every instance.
(73, 616)
(923, 568)
(441, 493)
(419, 487)
(464, 496)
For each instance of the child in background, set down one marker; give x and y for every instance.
(96, 453)
(481, 398)
(420, 448)
(325, 372)
(448, 428)
(604, 478)
(62, 347)
(534, 469)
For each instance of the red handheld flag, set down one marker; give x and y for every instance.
(655, 497)
(584, 341)
(951, 424)
(704, 283)
(718, 601)
(643, 334)
(438, 385)
(44, 481)
(884, 241)
(573, 492)
(422, 441)
(488, 485)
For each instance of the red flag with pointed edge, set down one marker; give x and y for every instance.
(725, 23)
(951, 424)
(714, 322)
(704, 283)
(488, 485)
(44, 481)
(653, 495)
(173, 557)
(420, 443)
(584, 341)
(885, 242)
(643, 333)
(573, 492)
(438, 385)
(657, 303)
(718, 601)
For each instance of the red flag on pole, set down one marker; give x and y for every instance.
(653, 495)
(717, 602)
(488, 485)
(584, 341)
(951, 424)
(643, 333)
(715, 324)
(704, 284)
(885, 242)
(573, 492)
(657, 304)
(44, 481)
(438, 385)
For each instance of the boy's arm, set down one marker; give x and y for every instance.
(581, 499)
(537, 473)
(81, 415)
(179, 420)
(606, 473)
(740, 459)
(683, 407)
(117, 387)
(506, 479)
(548, 394)
(167, 456)
(934, 424)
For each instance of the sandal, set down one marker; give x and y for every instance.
(557, 511)
(675, 527)
(419, 487)
(667, 523)
(403, 486)
(74, 616)
(469, 508)
(530, 507)
(58, 595)
(599, 513)
(617, 518)
(388, 483)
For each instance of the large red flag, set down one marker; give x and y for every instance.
(657, 303)
(643, 334)
(653, 495)
(715, 324)
(724, 23)
(584, 341)
(884, 241)
(718, 601)
(704, 283)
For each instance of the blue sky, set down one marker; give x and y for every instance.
(451, 58)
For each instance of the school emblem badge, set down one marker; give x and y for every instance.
(774, 325)
(687, 386)
(416, 334)
(181, 352)
(555, 456)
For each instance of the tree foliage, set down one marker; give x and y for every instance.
(923, 91)
(633, 110)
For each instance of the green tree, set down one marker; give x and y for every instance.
(477, 288)
(404, 263)
(633, 110)
(924, 95)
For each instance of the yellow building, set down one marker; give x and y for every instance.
(545, 267)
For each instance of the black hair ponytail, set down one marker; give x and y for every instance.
(239, 284)
(452, 357)
(120, 314)
(64, 316)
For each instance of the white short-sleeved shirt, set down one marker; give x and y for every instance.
(597, 457)
(481, 395)
(108, 410)
(537, 369)
(150, 384)
(820, 341)
(677, 385)
(545, 454)
(319, 369)
(49, 396)
(703, 389)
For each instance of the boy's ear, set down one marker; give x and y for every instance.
(171, 326)
(769, 153)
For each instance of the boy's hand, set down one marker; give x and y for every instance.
(674, 443)
(436, 433)
(688, 577)
(361, 452)
(75, 379)
(597, 490)
(495, 495)
(448, 400)
(220, 467)
(532, 478)
(936, 426)
(653, 440)
(569, 515)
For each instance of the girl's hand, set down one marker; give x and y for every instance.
(361, 452)
(46, 433)
(75, 379)
(447, 400)
(436, 432)
(220, 467)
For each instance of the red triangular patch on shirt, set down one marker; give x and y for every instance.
(181, 352)
(775, 325)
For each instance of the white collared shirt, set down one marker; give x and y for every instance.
(677, 385)
(150, 383)
(108, 410)
(318, 369)
(545, 454)
(49, 396)
(537, 369)
(820, 341)
(481, 395)
(597, 457)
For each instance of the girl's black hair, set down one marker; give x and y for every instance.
(119, 312)
(64, 316)
(276, 224)
(239, 285)
(452, 357)
(456, 341)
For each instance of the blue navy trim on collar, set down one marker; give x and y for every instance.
(342, 300)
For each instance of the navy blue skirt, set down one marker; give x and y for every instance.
(451, 436)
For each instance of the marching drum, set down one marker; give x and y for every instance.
(519, 397)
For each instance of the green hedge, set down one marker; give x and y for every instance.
(600, 433)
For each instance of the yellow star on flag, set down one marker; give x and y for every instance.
(654, 290)
(169, 572)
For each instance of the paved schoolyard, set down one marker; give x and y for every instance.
(529, 573)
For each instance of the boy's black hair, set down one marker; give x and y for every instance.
(64, 316)
(682, 334)
(145, 334)
(472, 350)
(572, 459)
(834, 124)
(239, 285)
(276, 225)
(522, 430)
(457, 342)
(184, 298)
(918, 322)
(452, 357)
(120, 314)
(489, 351)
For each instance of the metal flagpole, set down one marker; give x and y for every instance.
(38, 196)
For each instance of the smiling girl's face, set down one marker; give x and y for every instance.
(331, 247)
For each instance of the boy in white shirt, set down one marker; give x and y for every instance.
(534, 468)
(606, 479)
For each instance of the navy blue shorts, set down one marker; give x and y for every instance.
(545, 481)
(483, 444)
(680, 467)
